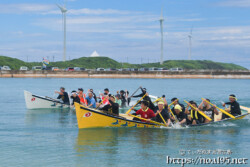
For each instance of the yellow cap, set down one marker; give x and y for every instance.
(178, 107)
(161, 102)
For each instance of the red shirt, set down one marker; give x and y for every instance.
(147, 114)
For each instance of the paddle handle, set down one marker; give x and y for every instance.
(202, 113)
(157, 100)
(134, 92)
(147, 120)
(223, 111)
(163, 119)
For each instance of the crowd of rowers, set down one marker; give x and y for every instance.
(161, 112)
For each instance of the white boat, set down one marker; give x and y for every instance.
(39, 102)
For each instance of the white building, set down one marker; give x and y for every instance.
(95, 54)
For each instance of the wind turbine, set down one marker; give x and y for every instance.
(190, 36)
(64, 11)
(161, 24)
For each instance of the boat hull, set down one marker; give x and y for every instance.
(91, 118)
(224, 120)
(39, 102)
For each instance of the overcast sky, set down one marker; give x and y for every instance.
(127, 30)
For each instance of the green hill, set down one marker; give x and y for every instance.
(105, 62)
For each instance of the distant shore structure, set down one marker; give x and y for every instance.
(64, 11)
(161, 24)
(95, 54)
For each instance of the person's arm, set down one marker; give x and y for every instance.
(140, 95)
(201, 105)
(215, 110)
(186, 110)
(183, 121)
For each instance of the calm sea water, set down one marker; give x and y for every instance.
(51, 137)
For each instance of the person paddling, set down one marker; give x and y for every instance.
(145, 112)
(146, 98)
(91, 101)
(175, 102)
(112, 107)
(75, 98)
(82, 97)
(63, 95)
(94, 95)
(193, 116)
(208, 110)
(179, 114)
(234, 108)
(164, 113)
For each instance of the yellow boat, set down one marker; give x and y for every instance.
(92, 118)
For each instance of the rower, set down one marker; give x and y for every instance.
(75, 98)
(82, 97)
(123, 98)
(127, 97)
(104, 96)
(91, 101)
(112, 107)
(179, 114)
(193, 116)
(118, 100)
(163, 111)
(234, 108)
(175, 102)
(146, 98)
(63, 95)
(145, 112)
(208, 110)
(94, 95)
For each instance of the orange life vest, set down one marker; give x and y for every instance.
(83, 99)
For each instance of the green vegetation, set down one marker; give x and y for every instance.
(105, 62)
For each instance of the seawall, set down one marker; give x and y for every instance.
(205, 74)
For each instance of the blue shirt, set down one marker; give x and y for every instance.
(91, 101)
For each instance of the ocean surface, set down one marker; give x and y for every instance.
(52, 138)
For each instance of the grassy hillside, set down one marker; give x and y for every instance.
(105, 62)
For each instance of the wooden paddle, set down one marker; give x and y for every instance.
(223, 111)
(157, 100)
(147, 120)
(163, 119)
(172, 111)
(102, 102)
(202, 113)
(134, 92)
(135, 105)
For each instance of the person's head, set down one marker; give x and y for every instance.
(174, 101)
(177, 109)
(62, 89)
(205, 102)
(117, 96)
(122, 92)
(80, 90)
(160, 105)
(73, 93)
(144, 105)
(90, 94)
(91, 90)
(193, 104)
(144, 90)
(106, 91)
(232, 98)
(112, 98)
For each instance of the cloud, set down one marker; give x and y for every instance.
(235, 3)
(24, 8)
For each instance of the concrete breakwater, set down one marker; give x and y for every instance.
(206, 74)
